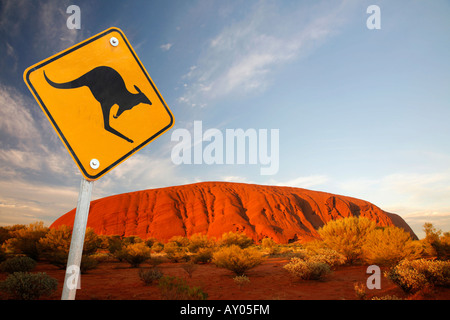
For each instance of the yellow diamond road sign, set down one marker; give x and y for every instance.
(100, 100)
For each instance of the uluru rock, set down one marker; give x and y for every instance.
(285, 214)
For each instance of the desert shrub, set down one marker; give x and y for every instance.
(200, 241)
(5, 233)
(319, 254)
(174, 288)
(241, 281)
(267, 243)
(189, 268)
(437, 245)
(92, 242)
(360, 290)
(283, 250)
(389, 245)
(18, 264)
(157, 247)
(180, 241)
(415, 275)
(101, 257)
(203, 255)
(177, 249)
(88, 262)
(325, 255)
(114, 244)
(235, 238)
(28, 286)
(55, 247)
(135, 253)
(306, 270)
(3, 255)
(24, 240)
(387, 297)
(236, 259)
(150, 276)
(270, 246)
(150, 242)
(347, 236)
(131, 240)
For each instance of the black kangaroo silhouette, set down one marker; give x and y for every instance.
(108, 88)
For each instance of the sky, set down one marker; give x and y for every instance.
(359, 111)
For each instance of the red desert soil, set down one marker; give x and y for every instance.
(284, 214)
(268, 281)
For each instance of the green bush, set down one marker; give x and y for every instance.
(135, 253)
(28, 286)
(24, 239)
(157, 247)
(236, 259)
(18, 264)
(88, 262)
(174, 288)
(203, 255)
(180, 241)
(235, 238)
(5, 234)
(347, 236)
(114, 245)
(150, 242)
(241, 281)
(415, 275)
(189, 267)
(200, 241)
(3, 255)
(177, 249)
(149, 276)
(267, 243)
(307, 270)
(324, 255)
(437, 245)
(389, 245)
(55, 246)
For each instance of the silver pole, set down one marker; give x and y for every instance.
(71, 281)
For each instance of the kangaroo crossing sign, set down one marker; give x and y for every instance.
(100, 100)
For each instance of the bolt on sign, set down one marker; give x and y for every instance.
(100, 100)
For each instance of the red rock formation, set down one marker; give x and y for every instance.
(284, 214)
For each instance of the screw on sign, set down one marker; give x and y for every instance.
(104, 107)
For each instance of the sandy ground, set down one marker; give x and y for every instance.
(269, 281)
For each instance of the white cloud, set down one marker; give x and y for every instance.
(305, 182)
(417, 197)
(139, 172)
(415, 190)
(26, 202)
(15, 119)
(166, 47)
(28, 142)
(55, 33)
(236, 179)
(242, 57)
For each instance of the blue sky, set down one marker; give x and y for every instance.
(360, 112)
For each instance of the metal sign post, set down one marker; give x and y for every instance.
(71, 281)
